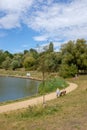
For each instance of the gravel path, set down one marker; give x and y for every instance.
(34, 101)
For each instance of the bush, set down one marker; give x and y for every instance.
(51, 85)
(67, 71)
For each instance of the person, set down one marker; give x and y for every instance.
(57, 92)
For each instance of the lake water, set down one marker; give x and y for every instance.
(15, 88)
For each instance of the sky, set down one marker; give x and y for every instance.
(26, 24)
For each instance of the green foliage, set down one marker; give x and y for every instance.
(81, 54)
(74, 52)
(29, 62)
(51, 48)
(33, 53)
(6, 64)
(51, 85)
(51, 62)
(68, 71)
(39, 111)
(72, 56)
(15, 64)
(8, 54)
(2, 57)
(25, 52)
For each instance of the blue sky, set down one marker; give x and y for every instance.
(24, 24)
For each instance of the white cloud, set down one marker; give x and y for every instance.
(40, 38)
(67, 21)
(12, 12)
(53, 20)
(16, 5)
(9, 21)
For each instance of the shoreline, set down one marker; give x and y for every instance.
(34, 101)
(23, 77)
(20, 99)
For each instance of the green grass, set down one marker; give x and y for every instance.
(68, 112)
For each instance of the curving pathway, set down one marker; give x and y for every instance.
(34, 101)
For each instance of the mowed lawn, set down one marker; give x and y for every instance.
(68, 112)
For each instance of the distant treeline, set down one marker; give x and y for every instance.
(70, 60)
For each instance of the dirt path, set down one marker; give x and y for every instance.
(34, 101)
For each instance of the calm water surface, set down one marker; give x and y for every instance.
(15, 88)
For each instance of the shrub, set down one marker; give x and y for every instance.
(51, 85)
(67, 71)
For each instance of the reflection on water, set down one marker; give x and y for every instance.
(14, 88)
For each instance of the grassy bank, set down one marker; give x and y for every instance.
(22, 73)
(65, 113)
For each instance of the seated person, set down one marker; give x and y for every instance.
(57, 92)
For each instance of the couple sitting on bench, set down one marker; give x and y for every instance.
(60, 93)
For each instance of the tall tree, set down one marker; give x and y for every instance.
(6, 63)
(29, 63)
(51, 47)
(75, 52)
(81, 54)
(68, 52)
(2, 57)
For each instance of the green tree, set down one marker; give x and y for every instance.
(51, 47)
(81, 54)
(52, 62)
(18, 59)
(6, 64)
(42, 68)
(2, 57)
(33, 53)
(29, 62)
(68, 71)
(68, 53)
(75, 52)
(14, 64)
(8, 54)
